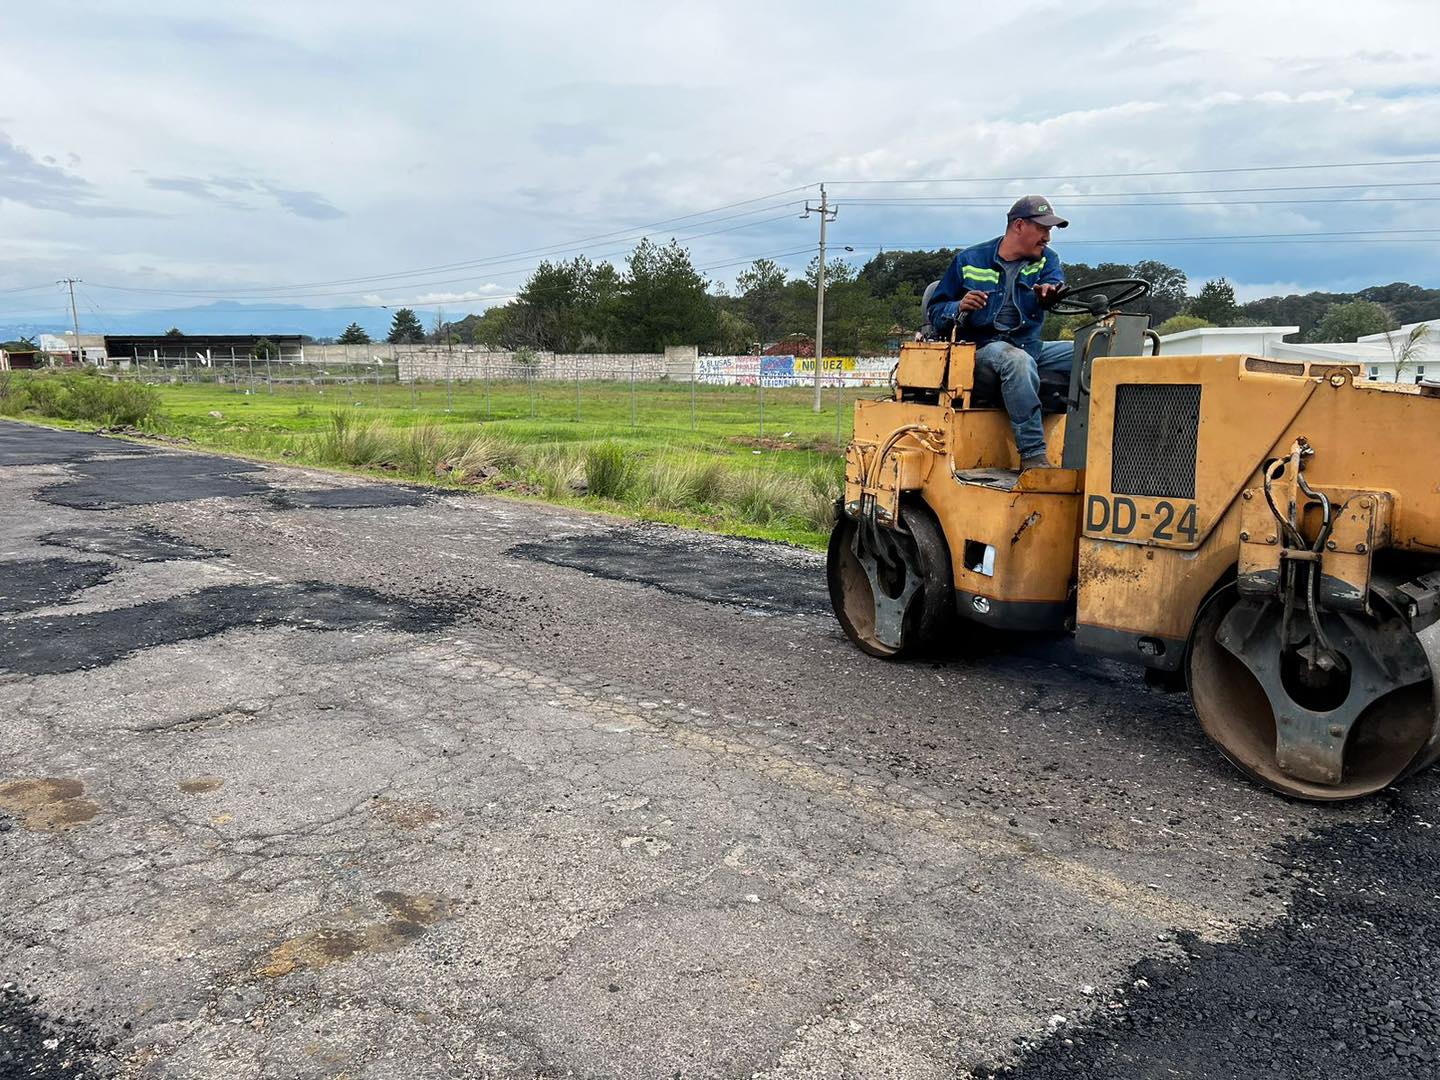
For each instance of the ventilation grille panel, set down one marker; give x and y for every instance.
(1157, 428)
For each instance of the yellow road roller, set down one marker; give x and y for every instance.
(1266, 531)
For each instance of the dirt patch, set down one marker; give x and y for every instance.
(765, 442)
(405, 814)
(47, 804)
(199, 785)
(411, 915)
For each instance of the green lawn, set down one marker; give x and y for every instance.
(695, 455)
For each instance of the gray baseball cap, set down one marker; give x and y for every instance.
(1038, 209)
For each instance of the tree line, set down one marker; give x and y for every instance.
(660, 298)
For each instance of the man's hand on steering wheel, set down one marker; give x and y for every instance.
(1048, 294)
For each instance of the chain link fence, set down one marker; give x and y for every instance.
(770, 403)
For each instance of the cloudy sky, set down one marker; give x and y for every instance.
(295, 154)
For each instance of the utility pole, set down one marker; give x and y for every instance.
(74, 318)
(827, 215)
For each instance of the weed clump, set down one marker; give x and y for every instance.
(609, 471)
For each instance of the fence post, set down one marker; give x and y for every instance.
(269, 380)
(760, 385)
(839, 405)
(449, 385)
(694, 379)
(577, 388)
(530, 386)
(632, 392)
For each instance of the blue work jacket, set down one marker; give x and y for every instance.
(978, 267)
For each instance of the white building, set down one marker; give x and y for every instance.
(1378, 354)
(62, 346)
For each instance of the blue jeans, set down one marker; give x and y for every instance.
(1019, 378)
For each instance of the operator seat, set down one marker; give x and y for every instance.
(1054, 387)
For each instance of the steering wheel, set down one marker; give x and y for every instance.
(1099, 298)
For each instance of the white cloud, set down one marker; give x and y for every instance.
(372, 144)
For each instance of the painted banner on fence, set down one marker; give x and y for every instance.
(794, 370)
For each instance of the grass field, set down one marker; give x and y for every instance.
(672, 452)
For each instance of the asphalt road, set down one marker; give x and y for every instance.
(306, 777)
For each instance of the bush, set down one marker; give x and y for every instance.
(1177, 324)
(609, 471)
(14, 394)
(90, 397)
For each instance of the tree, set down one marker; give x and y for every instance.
(491, 327)
(837, 272)
(1349, 322)
(567, 306)
(1168, 289)
(734, 336)
(1178, 324)
(891, 270)
(264, 349)
(1215, 303)
(174, 331)
(405, 328)
(762, 298)
(354, 334)
(1408, 349)
(663, 299)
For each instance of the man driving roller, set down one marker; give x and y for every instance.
(999, 291)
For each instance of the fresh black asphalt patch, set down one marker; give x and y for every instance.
(35, 583)
(109, 484)
(349, 498)
(37, 1047)
(167, 477)
(715, 570)
(51, 645)
(26, 444)
(1344, 984)
(140, 543)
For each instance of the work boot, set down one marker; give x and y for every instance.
(1035, 461)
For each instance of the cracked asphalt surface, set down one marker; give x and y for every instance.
(303, 776)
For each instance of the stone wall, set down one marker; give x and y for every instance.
(435, 363)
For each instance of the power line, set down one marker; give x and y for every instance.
(497, 297)
(525, 268)
(1371, 236)
(920, 201)
(90, 303)
(555, 249)
(1130, 175)
(1147, 194)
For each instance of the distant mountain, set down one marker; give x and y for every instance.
(222, 317)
